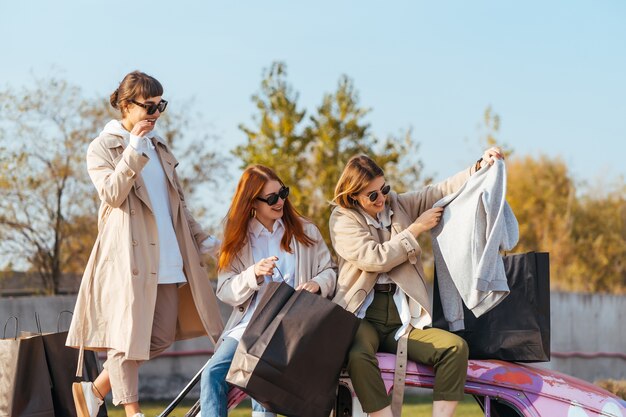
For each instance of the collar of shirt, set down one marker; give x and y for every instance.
(383, 219)
(256, 228)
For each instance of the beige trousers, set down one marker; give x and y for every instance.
(124, 373)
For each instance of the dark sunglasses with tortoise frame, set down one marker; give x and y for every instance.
(151, 108)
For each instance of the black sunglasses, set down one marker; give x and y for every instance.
(152, 108)
(273, 198)
(373, 196)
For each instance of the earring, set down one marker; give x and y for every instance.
(253, 213)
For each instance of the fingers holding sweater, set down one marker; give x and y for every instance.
(426, 221)
(490, 155)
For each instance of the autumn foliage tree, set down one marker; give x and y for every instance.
(45, 195)
(48, 205)
(585, 235)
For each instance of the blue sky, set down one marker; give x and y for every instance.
(554, 71)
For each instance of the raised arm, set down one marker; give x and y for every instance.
(353, 241)
(416, 202)
(113, 179)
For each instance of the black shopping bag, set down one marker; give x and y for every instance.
(24, 379)
(61, 361)
(517, 329)
(292, 351)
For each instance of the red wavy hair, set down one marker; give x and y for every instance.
(238, 217)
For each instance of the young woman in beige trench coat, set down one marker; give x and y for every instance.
(381, 280)
(145, 284)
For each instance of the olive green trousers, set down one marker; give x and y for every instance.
(446, 352)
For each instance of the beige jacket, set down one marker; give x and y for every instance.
(364, 251)
(237, 284)
(117, 295)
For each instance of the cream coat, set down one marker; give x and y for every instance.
(237, 284)
(364, 251)
(117, 295)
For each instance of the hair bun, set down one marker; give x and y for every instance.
(113, 100)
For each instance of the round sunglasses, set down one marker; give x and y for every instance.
(373, 196)
(151, 108)
(272, 199)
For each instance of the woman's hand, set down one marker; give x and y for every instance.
(490, 156)
(265, 267)
(310, 286)
(142, 127)
(426, 221)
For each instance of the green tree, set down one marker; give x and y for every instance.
(310, 153)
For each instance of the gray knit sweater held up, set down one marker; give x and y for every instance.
(477, 223)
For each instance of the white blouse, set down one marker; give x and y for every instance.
(265, 244)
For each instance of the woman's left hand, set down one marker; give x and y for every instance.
(490, 156)
(310, 286)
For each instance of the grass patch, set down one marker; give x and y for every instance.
(414, 406)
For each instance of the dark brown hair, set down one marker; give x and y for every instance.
(135, 84)
(359, 171)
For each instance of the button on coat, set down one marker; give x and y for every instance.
(117, 296)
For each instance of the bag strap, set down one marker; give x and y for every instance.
(399, 375)
(4, 335)
(59, 319)
(38, 324)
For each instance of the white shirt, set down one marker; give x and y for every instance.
(265, 244)
(170, 259)
(383, 221)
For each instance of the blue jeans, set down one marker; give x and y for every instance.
(213, 385)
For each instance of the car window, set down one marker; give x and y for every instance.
(497, 407)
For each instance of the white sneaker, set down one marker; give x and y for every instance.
(86, 402)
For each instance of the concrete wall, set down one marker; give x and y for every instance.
(580, 323)
(588, 323)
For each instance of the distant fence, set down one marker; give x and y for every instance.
(588, 339)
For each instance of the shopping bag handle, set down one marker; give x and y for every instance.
(38, 324)
(59, 319)
(4, 335)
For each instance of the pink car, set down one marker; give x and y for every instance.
(502, 389)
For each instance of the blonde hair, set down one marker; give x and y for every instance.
(358, 173)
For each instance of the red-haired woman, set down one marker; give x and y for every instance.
(265, 239)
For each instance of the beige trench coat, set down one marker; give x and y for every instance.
(363, 254)
(117, 296)
(237, 284)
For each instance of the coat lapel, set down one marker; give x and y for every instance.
(142, 192)
(168, 162)
(245, 256)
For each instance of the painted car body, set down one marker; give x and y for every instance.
(530, 390)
